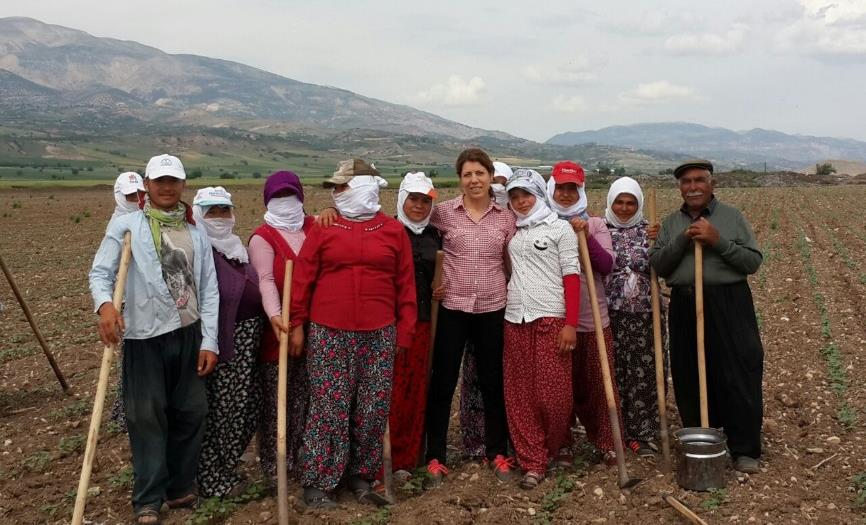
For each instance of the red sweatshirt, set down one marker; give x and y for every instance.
(356, 276)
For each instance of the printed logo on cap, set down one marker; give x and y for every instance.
(133, 178)
(165, 162)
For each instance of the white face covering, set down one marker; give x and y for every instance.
(577, 209)
(220, 232)
(123, 206)
(620, 186)
(360, 201)
(499, 194)
(286, 213)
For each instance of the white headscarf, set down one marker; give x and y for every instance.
(361, 200)
(416, 182)
(577, 209)
(500, 194)
(620, 186)
(531, 181)
(125, 182)
(220, 232)
(285, 213)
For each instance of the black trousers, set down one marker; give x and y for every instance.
(166, 405)
(735, 363)
(485, 332)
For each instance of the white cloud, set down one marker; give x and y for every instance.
(658, 22)
(574, 104)
(708, 43)
(578, 70)
(656, 92)
(455, 92)
(836, 28)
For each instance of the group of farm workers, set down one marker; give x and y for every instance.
(202, 319)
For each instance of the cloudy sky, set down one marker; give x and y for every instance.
(532, 69)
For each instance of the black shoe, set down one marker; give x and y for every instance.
(318, 500)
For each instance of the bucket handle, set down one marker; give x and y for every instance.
(706, 456)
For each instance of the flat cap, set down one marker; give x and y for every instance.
(693, 163)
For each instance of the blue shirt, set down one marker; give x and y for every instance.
(150, 308)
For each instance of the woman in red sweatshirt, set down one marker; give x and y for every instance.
(354, 305)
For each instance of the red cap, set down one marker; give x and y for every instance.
(567, 171)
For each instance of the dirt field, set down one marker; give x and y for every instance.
(810, 297)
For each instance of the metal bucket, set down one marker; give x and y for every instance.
(702, 458)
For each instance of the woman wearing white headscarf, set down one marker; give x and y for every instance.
(630, 310)
(233, 389)
(128, 193)
(353, 304)
(540, 327)
(568, 199)
(409, 394)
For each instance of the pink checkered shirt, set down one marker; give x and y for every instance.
(474, 266)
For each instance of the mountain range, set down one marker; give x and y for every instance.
(62, 83)
(49, 69)
(748, 149)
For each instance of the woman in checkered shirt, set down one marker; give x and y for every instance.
(475, 233)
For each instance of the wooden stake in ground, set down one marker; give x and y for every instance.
(624, 480)
(387, 464)
(699, 316)
(659, 348)
(434, 318)
(63, 384)
(686, 512)
(282, 387)
(101, 388)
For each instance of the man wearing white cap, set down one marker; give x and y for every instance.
(128, 192)
(169, 326)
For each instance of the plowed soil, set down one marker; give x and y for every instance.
(809, 294)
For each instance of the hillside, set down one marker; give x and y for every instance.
(48, 69)
(749, 149)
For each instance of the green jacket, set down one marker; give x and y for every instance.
(731, 260)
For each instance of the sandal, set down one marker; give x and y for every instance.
(530, 480)
(315, 499)
(148, 515)
(184, 502)
(366, 493)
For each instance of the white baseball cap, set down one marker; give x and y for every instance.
(128, 183)
(212, 196)
(418, 182)
(164, 166)
(502, 169)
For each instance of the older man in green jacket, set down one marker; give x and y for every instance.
(734, 355)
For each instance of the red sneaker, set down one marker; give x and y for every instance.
(436, 472)
(503, 468)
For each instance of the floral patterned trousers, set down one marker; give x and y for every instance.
(538, 396)
(350, 396)
(590, 404)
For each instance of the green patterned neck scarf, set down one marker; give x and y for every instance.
(159, 219)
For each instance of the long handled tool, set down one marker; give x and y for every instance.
(282, 380)
(387, 464)
(63, 384)
(434, 318)
(680, 507)
(659, 349)
(101, 388)
(699, 316)
(624, 480)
